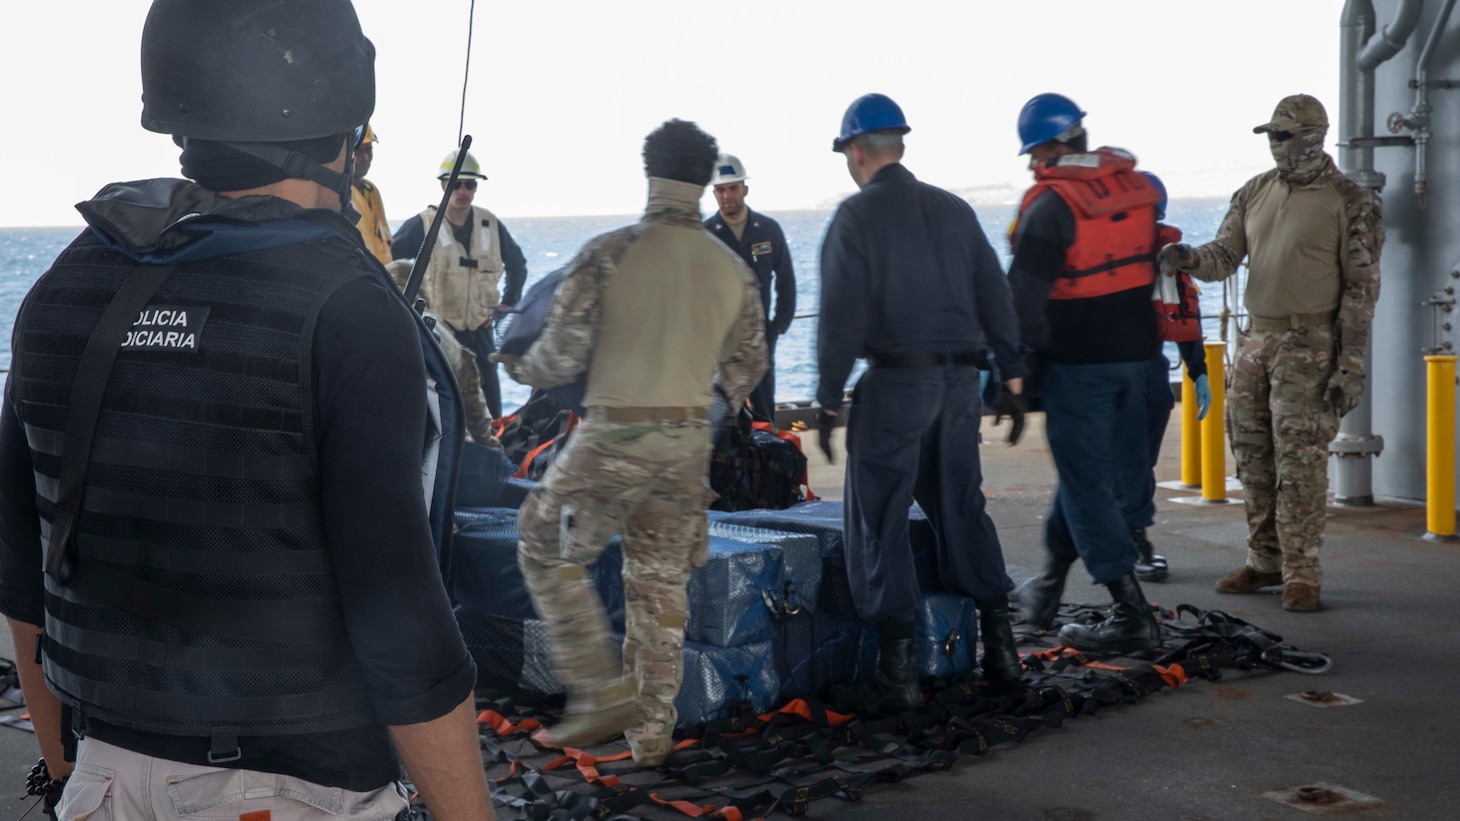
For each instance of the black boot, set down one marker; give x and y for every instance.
(1038, 599)
(1000, 657)
(896, 678)
(1131, 626)
(1150, 567)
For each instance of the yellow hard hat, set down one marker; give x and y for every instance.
(470, 169)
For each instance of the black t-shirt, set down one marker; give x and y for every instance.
(1118, 327)
(370, 400)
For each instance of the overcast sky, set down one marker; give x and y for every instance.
(562, 92)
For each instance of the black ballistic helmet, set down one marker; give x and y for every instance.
(257, 71)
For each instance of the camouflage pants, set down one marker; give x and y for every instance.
(1280, 426)
(647, 481)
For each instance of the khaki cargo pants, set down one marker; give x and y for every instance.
(111, 783)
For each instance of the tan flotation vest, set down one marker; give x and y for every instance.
(462, 284)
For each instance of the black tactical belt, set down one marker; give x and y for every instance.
(923, 359)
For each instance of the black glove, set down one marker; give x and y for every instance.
(825, 422)
(1012, 405)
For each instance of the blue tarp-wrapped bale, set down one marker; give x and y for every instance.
(514, 492)
(716, 677)
(496, 645)
(822, 520)
(801, 581)
(485, 577)
(485, 472)
(947, 636)
(947, 631)
(730, 598)
(816, 650)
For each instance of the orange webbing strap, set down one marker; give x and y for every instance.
(798, 707)
(1064, 651)
(502, 726)
(586, 761)
(1174, 676)
(499, 426)
(532, 454)
(689, 808)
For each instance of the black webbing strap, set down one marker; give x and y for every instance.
(924, 359)
(92, 375)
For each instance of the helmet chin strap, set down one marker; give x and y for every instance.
(299, 166)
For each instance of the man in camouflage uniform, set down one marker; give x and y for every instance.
(1312, 238)
(651, 312)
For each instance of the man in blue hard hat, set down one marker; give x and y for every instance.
(1082, 275)
(910, 283)
(759, 241)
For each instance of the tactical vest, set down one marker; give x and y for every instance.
(202, 601)
(1115, 215)
(461, 284)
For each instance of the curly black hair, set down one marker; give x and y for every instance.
(679, 150)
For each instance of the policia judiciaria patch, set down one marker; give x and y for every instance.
(166, 328)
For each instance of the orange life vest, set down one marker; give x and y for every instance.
(1178, 314)
(1115, 216)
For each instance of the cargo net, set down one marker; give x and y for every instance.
(746, 764)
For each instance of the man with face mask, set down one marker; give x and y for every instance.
(1312, 238)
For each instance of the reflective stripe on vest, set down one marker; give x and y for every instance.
(1114, 209)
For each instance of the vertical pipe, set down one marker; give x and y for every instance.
(1213, 429)
(1440, 475)
(1190, 433)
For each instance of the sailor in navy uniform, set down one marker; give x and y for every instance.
(759, 241)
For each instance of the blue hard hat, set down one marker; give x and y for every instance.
(1045, 117)
(868, 113)
(1160, 189)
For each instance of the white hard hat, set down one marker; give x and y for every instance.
(728, 168)
(470, 169)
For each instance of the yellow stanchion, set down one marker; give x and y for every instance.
(1440, 464)
(1213, 429)
(1190, 433)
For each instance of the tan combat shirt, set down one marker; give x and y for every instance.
(652, 311)
(1310, 248)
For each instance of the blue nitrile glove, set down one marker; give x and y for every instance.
(1203, 397)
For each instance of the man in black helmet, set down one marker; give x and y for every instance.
(211, 475)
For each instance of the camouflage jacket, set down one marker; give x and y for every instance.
(567, 344)
(1359, 290)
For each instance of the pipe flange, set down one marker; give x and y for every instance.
(1347, 444)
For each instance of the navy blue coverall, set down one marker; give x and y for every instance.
(763, 247)
(907, 270)
(1098, 356)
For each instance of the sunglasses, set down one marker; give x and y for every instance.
(470, 185)
(1280, 136)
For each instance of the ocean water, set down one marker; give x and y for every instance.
(550, 242)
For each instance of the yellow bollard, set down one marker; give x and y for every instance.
(1190, 433)
(1213, 429)
(1440, 473)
